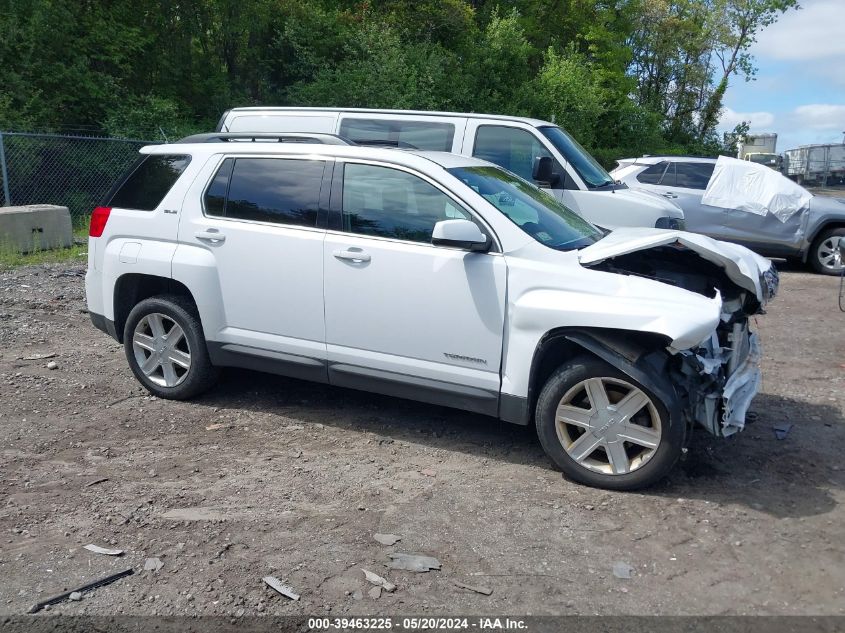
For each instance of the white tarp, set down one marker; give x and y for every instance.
(747, 186)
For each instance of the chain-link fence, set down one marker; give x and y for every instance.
(72, 171)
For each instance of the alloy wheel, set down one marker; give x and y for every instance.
(161, 349)
(828, 253)
(608, 425)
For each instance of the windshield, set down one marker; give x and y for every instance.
(765, 159)
(531, 209)
(587, 167)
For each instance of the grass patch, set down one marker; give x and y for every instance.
(78, 253)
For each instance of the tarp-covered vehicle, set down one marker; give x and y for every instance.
(745, 203)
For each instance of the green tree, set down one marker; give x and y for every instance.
(736, 25)
(566, 91)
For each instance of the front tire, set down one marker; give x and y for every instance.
(604, 429)
(824, 256)
(166, 350)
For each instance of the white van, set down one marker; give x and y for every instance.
(575, 178)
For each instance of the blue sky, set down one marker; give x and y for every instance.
(799, 91)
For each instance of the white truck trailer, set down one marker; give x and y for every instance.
(760, 148)
(816, 164)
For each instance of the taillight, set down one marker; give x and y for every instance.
(98, 221)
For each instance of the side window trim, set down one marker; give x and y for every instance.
(324, 208)
(670, 168)
(323, 211)
(335, 223)
(666, 171)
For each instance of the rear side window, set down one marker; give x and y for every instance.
(149, 182)
(215, 195)
(512, 148)
(654, 174)
(409, 134)
(278, 190)
(693, 175)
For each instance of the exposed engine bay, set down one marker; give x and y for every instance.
(718, 378)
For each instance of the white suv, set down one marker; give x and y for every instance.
(430, 276)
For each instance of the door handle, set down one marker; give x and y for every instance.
(212, 235)
(669, 194)
(354, 256)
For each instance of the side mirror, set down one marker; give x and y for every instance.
(543, 171)
(460, 234)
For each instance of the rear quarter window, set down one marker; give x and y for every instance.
(149, 182)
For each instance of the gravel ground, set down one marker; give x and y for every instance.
(267, 475)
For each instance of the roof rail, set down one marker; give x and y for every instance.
(267, 137)
(378, 142)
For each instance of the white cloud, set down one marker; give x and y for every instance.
(820, 116)
(814, 32)
(758, 120)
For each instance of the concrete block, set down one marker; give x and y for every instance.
(35, 227)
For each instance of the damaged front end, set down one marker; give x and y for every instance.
(721, 378)
(716, 379)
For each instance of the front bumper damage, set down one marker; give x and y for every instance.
(722, 378)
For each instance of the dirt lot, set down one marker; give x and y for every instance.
(274, 476)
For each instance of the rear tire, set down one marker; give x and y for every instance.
(621, 440)
(166, 350)
(824, 256)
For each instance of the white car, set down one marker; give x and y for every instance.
(573, 176)
(430, 276)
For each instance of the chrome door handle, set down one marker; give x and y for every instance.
(669, 194)
(354, 256)
(212, 235)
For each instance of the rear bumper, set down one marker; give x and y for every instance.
(104, 325)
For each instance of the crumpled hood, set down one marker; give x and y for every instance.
(742, 266)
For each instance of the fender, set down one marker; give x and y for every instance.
(647, 368)
(826, 221)
(641, 363)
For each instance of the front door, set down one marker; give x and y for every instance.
(405, 317)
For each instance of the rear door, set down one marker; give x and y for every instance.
(251, 230)
(405, 317)
(684, 182)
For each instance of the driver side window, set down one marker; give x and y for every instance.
(512, 148)
(385, 202)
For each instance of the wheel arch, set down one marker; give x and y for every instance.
(132, 288)
(640, 355)
(823, 226)
(810, 253)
